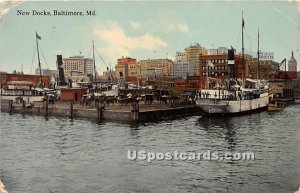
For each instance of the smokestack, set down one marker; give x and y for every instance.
(61, 76)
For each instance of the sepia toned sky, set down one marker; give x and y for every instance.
(143, 29)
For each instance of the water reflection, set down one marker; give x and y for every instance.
(221, 127)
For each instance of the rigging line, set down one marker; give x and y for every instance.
(44, 57)
(32, 61)
(100, 56)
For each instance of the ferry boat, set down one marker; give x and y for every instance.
(237, 96)
(234, 100)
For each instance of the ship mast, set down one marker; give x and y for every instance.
(94, 62)
(37, 37)
(258, 65)
(243, 50)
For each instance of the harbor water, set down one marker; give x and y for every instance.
(56, 155)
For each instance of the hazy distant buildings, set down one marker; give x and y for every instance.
(78, 64)
(292, 63)
(46, 72)
(155, 67)
(219, 51)
(192, 54)
(179, 57)
(126, 66)
(262, 71)
(183, 68)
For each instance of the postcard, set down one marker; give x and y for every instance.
(149, 96)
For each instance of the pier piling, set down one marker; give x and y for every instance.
(23, 107)
(46, 108)
(134, 111)
(99, 112)
(71, 110)
(10, 104)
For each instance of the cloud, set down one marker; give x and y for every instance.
(6, 6)
(164, 24)
(135, 25)
(298, 6)
(177, 27)
(121, 44)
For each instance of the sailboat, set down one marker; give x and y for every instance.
(235, 98)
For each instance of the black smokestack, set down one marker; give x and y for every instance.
(61, 76)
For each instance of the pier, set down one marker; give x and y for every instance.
(131, 112)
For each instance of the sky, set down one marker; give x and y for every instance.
(143, 30)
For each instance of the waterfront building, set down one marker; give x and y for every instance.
(192, 54)
(282, 89)
(73, 94)
(126, 67)
(126, 60)
(218, 51)
(297, 86)
(155, 67)
(108, 75)
(262, 71)
(189, 84)
(121, 71)
(183, 68)
(46, 72)
(214, 68)
(180, 57)
(20, 81)
(78, 64)
(292, 63)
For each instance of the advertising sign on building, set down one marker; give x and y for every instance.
(266, 55)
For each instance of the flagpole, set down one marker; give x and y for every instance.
(243, 49)
(40, 69)
(94, 63)
(258, 65)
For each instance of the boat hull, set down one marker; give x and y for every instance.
(227, 107)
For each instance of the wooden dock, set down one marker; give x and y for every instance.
(136, 112)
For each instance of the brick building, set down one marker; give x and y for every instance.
(21, 80)
(127, 67)
(73, 94)
(262, 71)
(191, 83)
(213, 67)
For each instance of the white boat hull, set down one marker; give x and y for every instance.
(223, 106)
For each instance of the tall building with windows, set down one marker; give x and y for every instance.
(183, 69)
(219, 51)
(46, 72)
(78, 64)
(180, 57)
(126, 66)
(193, 53)
(262, 71)
(214, 69)
(155, 67)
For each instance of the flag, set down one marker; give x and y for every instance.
(37, 36)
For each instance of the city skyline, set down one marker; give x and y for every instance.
(143, 30)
